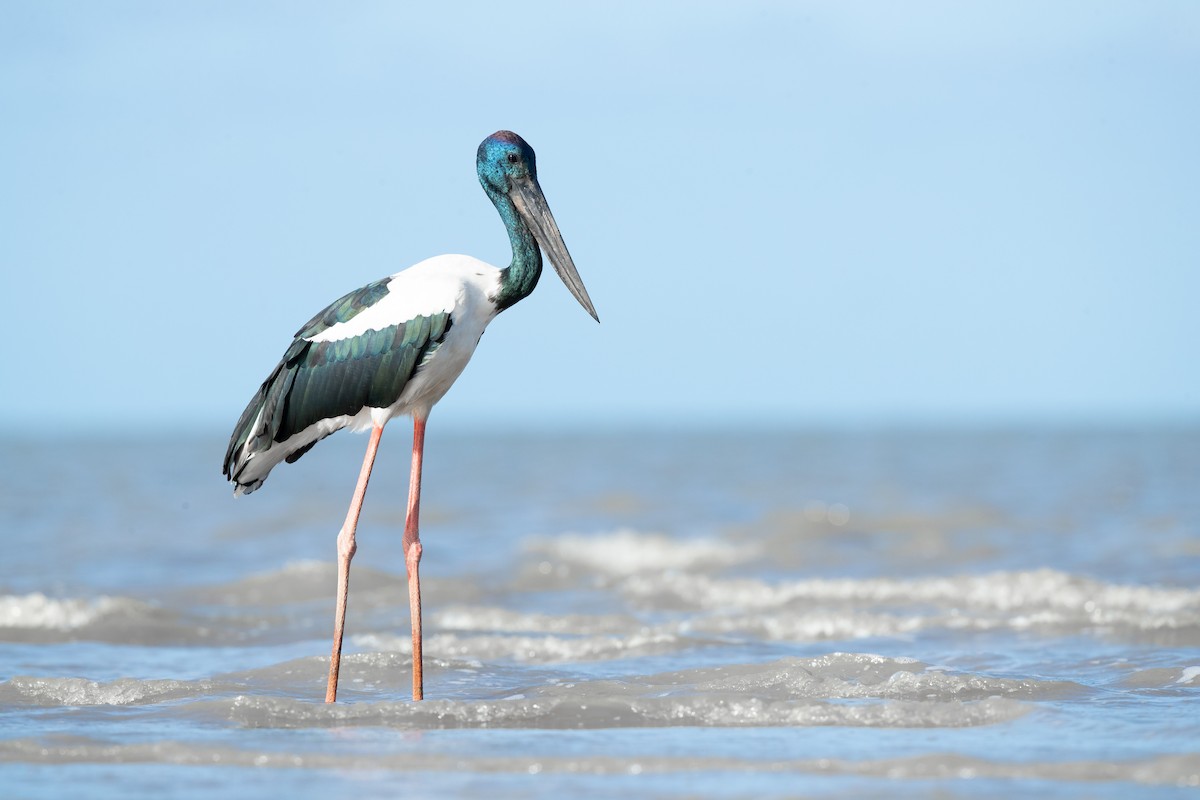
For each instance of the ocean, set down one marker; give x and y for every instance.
(830, 614)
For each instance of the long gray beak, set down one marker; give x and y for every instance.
(531, 205)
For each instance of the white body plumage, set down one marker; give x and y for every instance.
(463, 287)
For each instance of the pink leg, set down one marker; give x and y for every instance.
(346, 548)
(412, 555)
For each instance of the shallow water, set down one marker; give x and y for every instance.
(665, 615)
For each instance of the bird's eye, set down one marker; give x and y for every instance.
(513, 158)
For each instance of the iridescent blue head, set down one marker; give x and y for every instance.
(501, 157)
(507, 169)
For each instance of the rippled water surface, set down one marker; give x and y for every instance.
(917, 614)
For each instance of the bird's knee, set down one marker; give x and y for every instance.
(346, 545)
(412, 556)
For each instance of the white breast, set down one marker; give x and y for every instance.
(456, 284)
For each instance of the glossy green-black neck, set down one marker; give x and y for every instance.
(520, 277)
(504, 158)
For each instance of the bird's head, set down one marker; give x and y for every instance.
(507, 169)
(504, 157)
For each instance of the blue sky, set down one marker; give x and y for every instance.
(785, 212)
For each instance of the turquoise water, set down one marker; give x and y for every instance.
(841, 614)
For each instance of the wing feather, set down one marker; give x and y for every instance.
(327, 380)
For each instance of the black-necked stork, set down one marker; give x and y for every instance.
(393, 348)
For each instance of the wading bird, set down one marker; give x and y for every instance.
(393, 348)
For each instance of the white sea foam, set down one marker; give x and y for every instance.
(534, 649)
(806, 626)
(886, 692)
(1017, 600)
(123, 620)
(626, 551)
(487, 618)
(857, 676)
(597, 712)
(23, 690)
(37, 611)
(1007, 591)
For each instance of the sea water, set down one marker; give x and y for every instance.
(683, 614)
